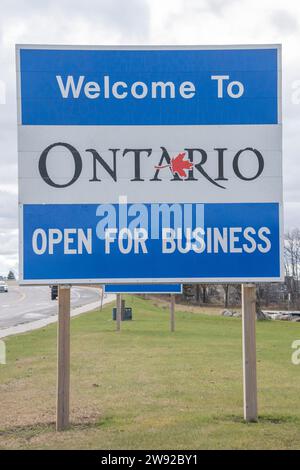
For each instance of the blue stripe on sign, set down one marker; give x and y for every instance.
(43, 104)
(143, 288)
(232, 261)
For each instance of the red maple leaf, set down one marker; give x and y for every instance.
(179, 165)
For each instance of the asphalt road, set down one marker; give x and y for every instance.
(26, 304)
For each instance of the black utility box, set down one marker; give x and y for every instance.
(126, 313)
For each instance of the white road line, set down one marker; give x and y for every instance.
(22, 297)
(75, 292)
(33, 315)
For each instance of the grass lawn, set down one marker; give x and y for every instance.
(146, 388)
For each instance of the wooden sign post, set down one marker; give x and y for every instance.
(249, 351)
(102, 296)
(119, 312)
(172, 313)
(63, 358)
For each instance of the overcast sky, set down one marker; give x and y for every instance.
(144, 22)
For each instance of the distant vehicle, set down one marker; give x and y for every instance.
(54, 292)
(3, 287)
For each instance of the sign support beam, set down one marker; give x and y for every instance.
(172, 313)
(249, 351)
(119, 312)
(63, 358)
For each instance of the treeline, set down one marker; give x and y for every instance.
(278, 294)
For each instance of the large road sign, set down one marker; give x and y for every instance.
(149, 164)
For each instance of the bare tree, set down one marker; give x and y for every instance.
(292, 261)
(204, 293)
(226, 294)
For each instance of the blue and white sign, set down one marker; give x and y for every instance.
(143, 289)
(150, 164)
(149, 87)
